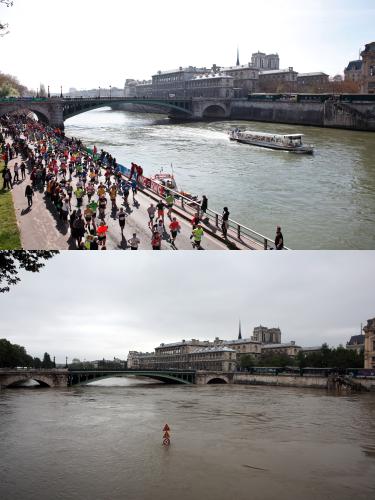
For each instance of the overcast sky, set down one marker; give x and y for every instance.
(92, 43)
(92, 305)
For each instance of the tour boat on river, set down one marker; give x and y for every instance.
(285, 142)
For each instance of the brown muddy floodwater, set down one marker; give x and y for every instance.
(104, 442)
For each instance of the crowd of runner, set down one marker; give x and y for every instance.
(82, 186)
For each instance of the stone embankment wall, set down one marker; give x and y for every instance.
(358, 116)
(283, 380)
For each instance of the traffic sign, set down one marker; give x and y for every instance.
(166, 428)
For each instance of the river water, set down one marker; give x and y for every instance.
(104, 442)
(325, 201)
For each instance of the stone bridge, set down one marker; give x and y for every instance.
(54, 111)
(46, 378)
(70, 377)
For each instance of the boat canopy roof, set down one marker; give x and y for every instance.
(265, 134)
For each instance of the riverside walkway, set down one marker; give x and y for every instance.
(41, 226)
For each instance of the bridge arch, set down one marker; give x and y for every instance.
(76, 107)
(15, 380)
(214, 111)
(218, 379)
(41, 112)
(82, 378)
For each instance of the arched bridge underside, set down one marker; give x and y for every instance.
(55, 111)
(177, 108)
(169, 377)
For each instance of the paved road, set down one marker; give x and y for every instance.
(42, 229)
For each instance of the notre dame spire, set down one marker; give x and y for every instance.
(239, 331)
(238, 57)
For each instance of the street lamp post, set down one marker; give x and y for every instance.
(66, 361)
(99, 92)
(49, 95)
(110, 91)
(61, 91)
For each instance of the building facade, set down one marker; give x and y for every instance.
(356, 343)
(290, 349)
(173, 82)
(185, 355)
(369, 330)
(262, 61)
(312, 82)
(210, 85)
(281, 80)
(245, 79)
(266, 335)
(368, 69)
(353, 71)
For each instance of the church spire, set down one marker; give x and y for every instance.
(238, 57)
(239, 331)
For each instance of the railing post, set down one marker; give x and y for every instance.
(265, 244)
(238, 231)
(217, 220)
(182, 202)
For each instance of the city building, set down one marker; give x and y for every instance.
(353, 71)
(356, 343)
(210, 85)
(262, 61)
(312, 82)
(280, 80)
(290, 349)
(185, 355)
(245, 79)
(266, 335)
(173, 82)
(369, 330)
(368, 69)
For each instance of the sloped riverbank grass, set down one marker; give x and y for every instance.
(9, 233)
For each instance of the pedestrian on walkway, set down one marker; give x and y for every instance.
(204, 205)
(64, 210)
(151, 213)
(175, 228)
(156, 241)
(78, 228)
(160, 207)
(15, 177)
(225, 222)
(134, 188)
(195, 220)
(197, 237)
(169, 199)
(121, 220)
(29, 193)
(7, 178)
(23, 171)
(79, 192)
(134, 242)
(112, 195)
(279, 239)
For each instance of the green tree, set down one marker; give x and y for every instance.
(37, 363)
(12, 261)
(247, 361)
(12, 355)
(47, 363)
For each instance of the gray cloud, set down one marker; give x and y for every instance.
(95, 305)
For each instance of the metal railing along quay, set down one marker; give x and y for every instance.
(212, 220)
